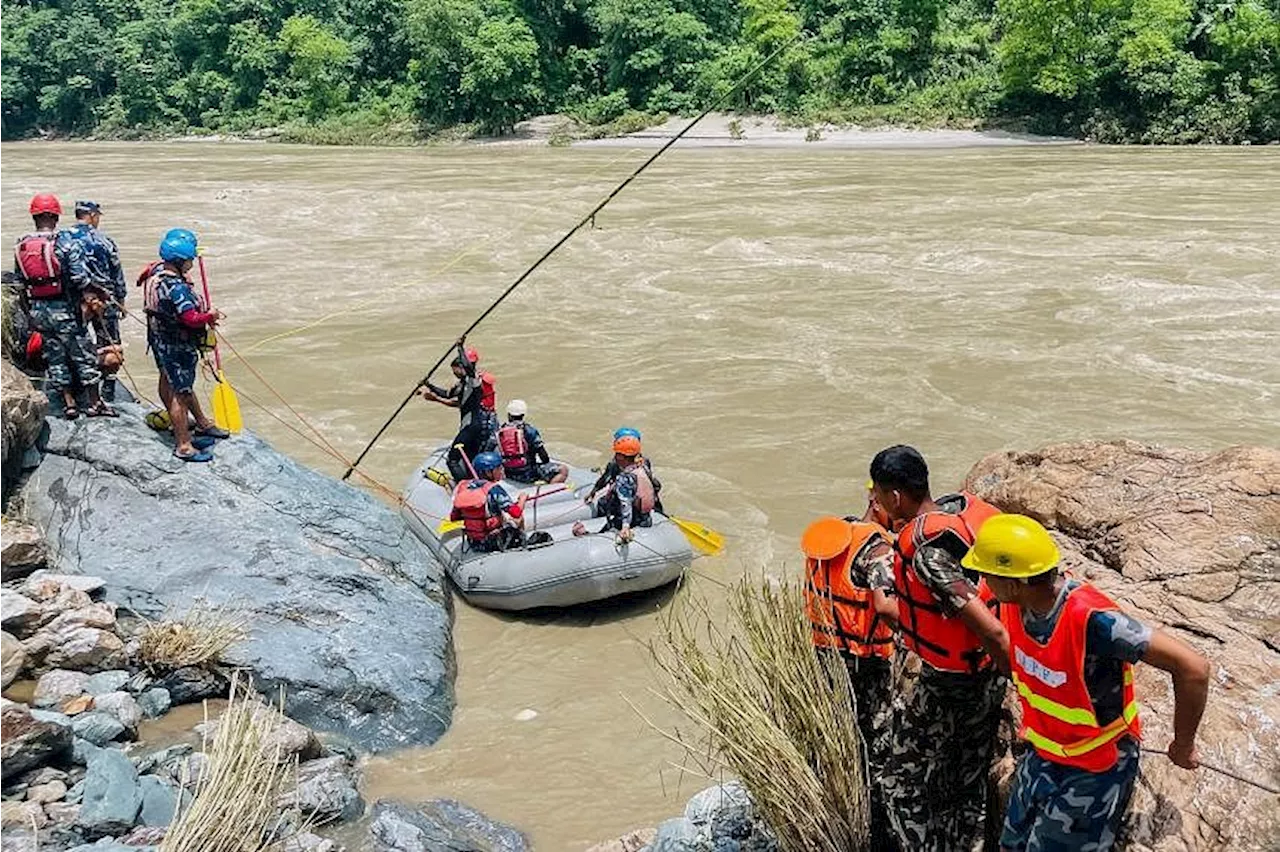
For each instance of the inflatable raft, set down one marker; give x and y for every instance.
(562, 571)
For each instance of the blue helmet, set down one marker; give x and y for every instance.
(486, 462)
(626, 431)
(178, 246)
(180, 232)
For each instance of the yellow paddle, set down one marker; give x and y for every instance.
(226, 405)
(704, 539)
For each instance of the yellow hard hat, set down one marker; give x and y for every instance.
(1012, 546)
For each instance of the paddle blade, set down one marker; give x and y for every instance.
(226, 405)
(447, 527)
(704, 539)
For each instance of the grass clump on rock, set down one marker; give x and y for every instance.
(763, 703)
(235, 807)
(198, 638)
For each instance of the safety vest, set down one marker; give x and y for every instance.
(944, 642)
(471, 499)
(36, 257)
(488, 392)
(162, 314)
(513, 446)
(646, 497)
(1057, 712)
(842, 614)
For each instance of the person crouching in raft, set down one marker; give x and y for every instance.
(1073, 652)
(631, 498)
(490, 518)
(848, 562)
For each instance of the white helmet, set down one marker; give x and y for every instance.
(517, 408)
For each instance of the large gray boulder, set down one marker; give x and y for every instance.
(440, 825)
(112, 796)
(22, 411)
(348, 611)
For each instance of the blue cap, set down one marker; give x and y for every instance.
(88, 207)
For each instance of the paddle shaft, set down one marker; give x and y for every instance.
(208, 304)
(590, 217)
(1223, 771)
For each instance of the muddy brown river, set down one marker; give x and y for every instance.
(768, 317)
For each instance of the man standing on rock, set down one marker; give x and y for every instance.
(1073, 652)
(102, 269)
(942, 739)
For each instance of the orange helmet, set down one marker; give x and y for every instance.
(45, 202)
(627, 445)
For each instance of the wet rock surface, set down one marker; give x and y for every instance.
(439, 824)
(1188, 541)
(348, 609)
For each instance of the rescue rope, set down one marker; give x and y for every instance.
(1223, 771)
(583, 222)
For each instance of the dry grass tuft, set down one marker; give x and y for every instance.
(199, 638)
(765, 709)
(235, 805)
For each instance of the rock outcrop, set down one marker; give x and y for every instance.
(22, 411)
(347, 610)
(439, 824)
(1189, 541)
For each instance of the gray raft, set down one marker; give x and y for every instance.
(566, 571)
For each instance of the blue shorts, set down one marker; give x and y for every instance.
(531, 473)
(178, 363)
(1056, 808)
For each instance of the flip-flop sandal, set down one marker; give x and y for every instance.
(216, 432)
(101, 410)
(202, 442)
(197, 456)
(71, 413)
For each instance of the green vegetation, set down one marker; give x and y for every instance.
(396, 71)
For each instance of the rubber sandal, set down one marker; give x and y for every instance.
(202, 442)
(216, 432)
(70, 413)
(197, 456)
(101, 410)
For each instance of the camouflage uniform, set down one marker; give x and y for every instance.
(68, 354)
(1055, 807)
(935, 784)
(103, 269)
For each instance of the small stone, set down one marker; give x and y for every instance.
(55, 687)
(24, 549)
(45, 584)
(52, 791)
(163, 759)
(62, 813)
(526, 715)
(632, 841)
(76, 706)
(19, 614)
(52, 716)
(326, 790)
(191, 769)
(154, 703)
(675, 835)
(192, 683)
(12, 659)
(439, 824)
(108, 681)
(27, 742)
(82, 750)
(305, 841)
(123, 707)
(140, 682)
(101, 616)
(159, 800)
(97, 727)
(24, 814)
(75, 793)
(145, 835)
(85, 648)
(46, 774)
(112, 797)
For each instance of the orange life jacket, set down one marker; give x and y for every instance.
(488, 392)
(942, 641)
(1057, 712)
(513, 446)
(842, 613)
(471, 501)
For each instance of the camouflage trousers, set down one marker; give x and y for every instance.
(1056, 808)
(68, 354)
(935, 785)
(871, 679)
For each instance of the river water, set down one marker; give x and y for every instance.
(768, 318)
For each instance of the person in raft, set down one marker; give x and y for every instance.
(935, 781)
(177, 326)
(473, 395)
(524, 456)
(1073, 652)
(632, 496)
(611, 471)
(490, 519)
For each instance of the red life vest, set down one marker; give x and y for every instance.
(1058, 717)
(471, 501)
(513, 446)
(37, 260)
(842, 614)
(944, 642)
(488, 392)
(646, 497)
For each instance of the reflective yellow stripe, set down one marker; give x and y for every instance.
(1070, 715)
(1109, 733)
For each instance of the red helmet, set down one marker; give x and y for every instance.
(45, 202)
(473, 354)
